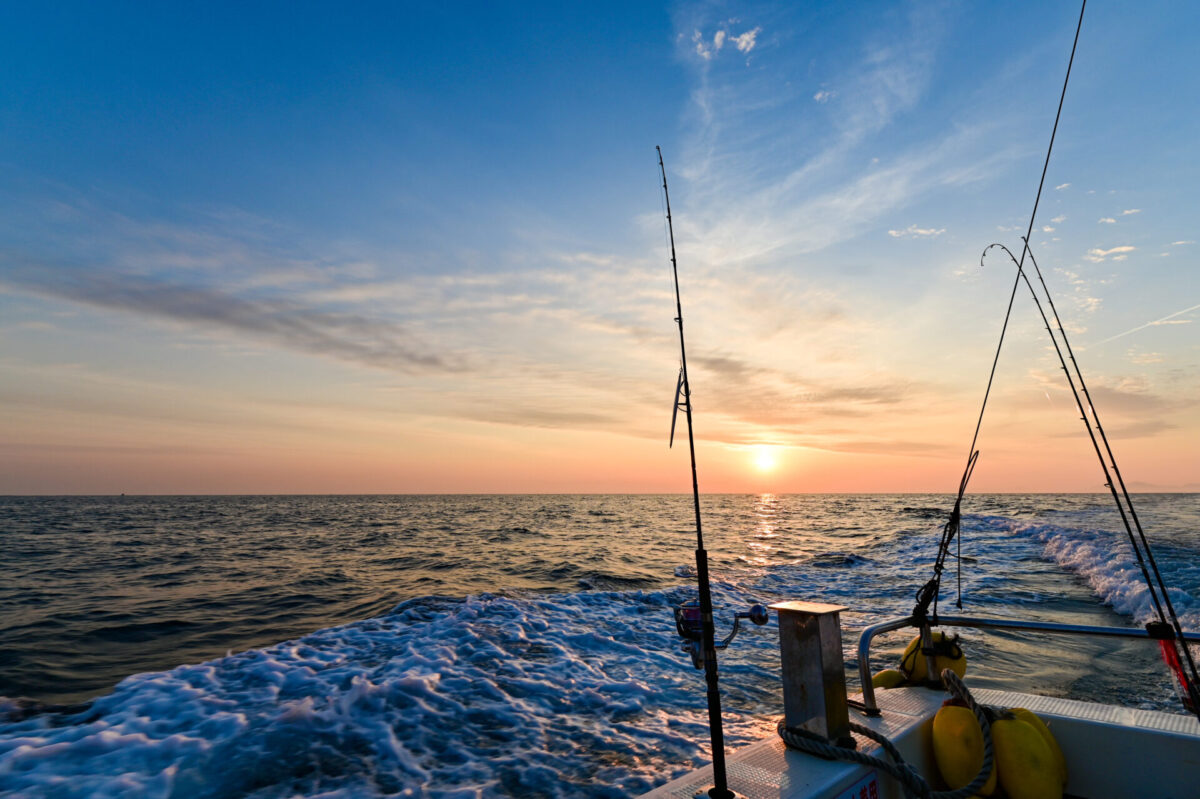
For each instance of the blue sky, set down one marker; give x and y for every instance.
(394, 248)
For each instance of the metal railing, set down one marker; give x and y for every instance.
(869, 633)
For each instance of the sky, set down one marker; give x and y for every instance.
(395, 248)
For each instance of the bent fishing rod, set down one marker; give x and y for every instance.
(1167, 630)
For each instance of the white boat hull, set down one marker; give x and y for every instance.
(1112, 752)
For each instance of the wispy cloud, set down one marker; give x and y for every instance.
(1178, 243)
(1117, 253)
(914, 232)
(1058, 220)
(1138, 357)
(1129, 211)
(745, 42)
(708, 48)
(1062, 186)
(824, 96)
(1106, 220)
(349, 337)
(703, 49)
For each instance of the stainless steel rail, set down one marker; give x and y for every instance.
(869, 633)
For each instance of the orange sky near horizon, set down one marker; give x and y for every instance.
(257, 276)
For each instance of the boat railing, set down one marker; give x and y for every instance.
(869, 633)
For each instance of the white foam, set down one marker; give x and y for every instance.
(1106, 560)
(479, 697)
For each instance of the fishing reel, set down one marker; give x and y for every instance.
(690, 626)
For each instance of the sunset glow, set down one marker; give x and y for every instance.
(765, 458)
(391, 262)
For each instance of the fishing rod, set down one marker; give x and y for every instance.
(695, 622)
(1167, 630)
(928, 594)
(720, 789)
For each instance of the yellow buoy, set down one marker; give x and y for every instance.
(888, 678)
(958, 748)
(949, 656)
(1023, 758)
(1030, 718)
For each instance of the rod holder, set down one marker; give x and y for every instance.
(814, 670)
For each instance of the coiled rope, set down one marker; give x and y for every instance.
(911, 781)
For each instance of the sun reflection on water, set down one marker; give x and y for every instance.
(766, 508)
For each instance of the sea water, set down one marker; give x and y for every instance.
(475, 646)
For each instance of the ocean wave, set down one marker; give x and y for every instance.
(535, 689)
(565, 695)
(1106, 561)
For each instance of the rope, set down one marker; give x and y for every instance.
(911, 781)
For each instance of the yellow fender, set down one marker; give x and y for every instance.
(1027, 766)
(912, 662)
(1032, 720)
(958, 748)
(888, 678)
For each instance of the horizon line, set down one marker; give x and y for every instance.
(599, 494)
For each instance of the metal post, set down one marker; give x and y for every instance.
(814, 670)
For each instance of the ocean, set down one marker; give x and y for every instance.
(496, 646)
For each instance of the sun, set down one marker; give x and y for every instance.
(765, 458)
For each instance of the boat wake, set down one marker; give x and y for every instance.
(1106, 561)
(564, 695)
(567, 694)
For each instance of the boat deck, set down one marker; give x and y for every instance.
(1112, 752)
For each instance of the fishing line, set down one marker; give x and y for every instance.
(929, 592)
(1190, 686)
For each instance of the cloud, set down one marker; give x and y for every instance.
(745, 42)
(1140, 429)
(1136, 356)
(824, 96)
(914, 232)
(1062, 186)
(1128, 395)
(752, 398)
(1106, 220)
(348, 337)
(1059, 219)
(1097, 255)
(521, 414)
(1047, 229)
(918, 449)
(728, 367)
(1129, 211)
(742, 118)
(1178, 243)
